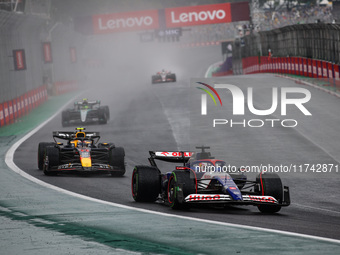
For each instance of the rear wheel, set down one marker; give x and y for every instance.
(181, 184)
(53, 160)
(154, 79)
(107, 112)
(145, 184)
(41, 151)
(117, 159)
(270, 185)
(65, 118)
(173, 76)
(102, 116)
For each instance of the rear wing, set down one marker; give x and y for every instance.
(94, 102)
(68, 135)
(170, 156)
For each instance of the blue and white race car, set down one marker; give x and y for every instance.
(85, 111)
(205, 180)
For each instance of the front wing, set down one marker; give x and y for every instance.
(92, 116)
(160, 80)
(227, 199)
(78, 168)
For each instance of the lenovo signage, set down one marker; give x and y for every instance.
(198, 15)
(164, 19)
(128, 21)
(19, 60)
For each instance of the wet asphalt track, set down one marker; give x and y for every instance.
(146, 117)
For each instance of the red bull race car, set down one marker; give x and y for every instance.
(203, 180)
(81, 154)
(85, 111)
(163, 77)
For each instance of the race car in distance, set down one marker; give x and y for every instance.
(205, 180)
(85, 111)
(163, 76)
(81, 154)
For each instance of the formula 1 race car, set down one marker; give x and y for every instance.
(205, 180)
(163, 76)
(80, 154)
(85, 112)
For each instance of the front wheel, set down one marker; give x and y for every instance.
(65, 118)
(107, 112)
(102, 115)
(41, 151)
(52, 154)
(270, 185)
(180, 185)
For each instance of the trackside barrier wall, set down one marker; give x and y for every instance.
(311, 50)
(224, 73)
(23, 89)
(19, 32)
(292, 65)
(14, 109)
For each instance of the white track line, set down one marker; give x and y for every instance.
(211, 66)
(10, 163)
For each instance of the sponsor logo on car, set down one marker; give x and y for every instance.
(200, 197)
(173, 154)
(266, 199)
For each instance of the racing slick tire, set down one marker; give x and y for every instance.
(107, 112)
(270, 185)
(117, 159)
(53, 160)
(173, 77)
(145, 183)
(65, 118)
(154, 78)
(180, 180)
(41, 151)
(102, 115)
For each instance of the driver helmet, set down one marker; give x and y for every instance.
(75, 143)
(87, 143)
